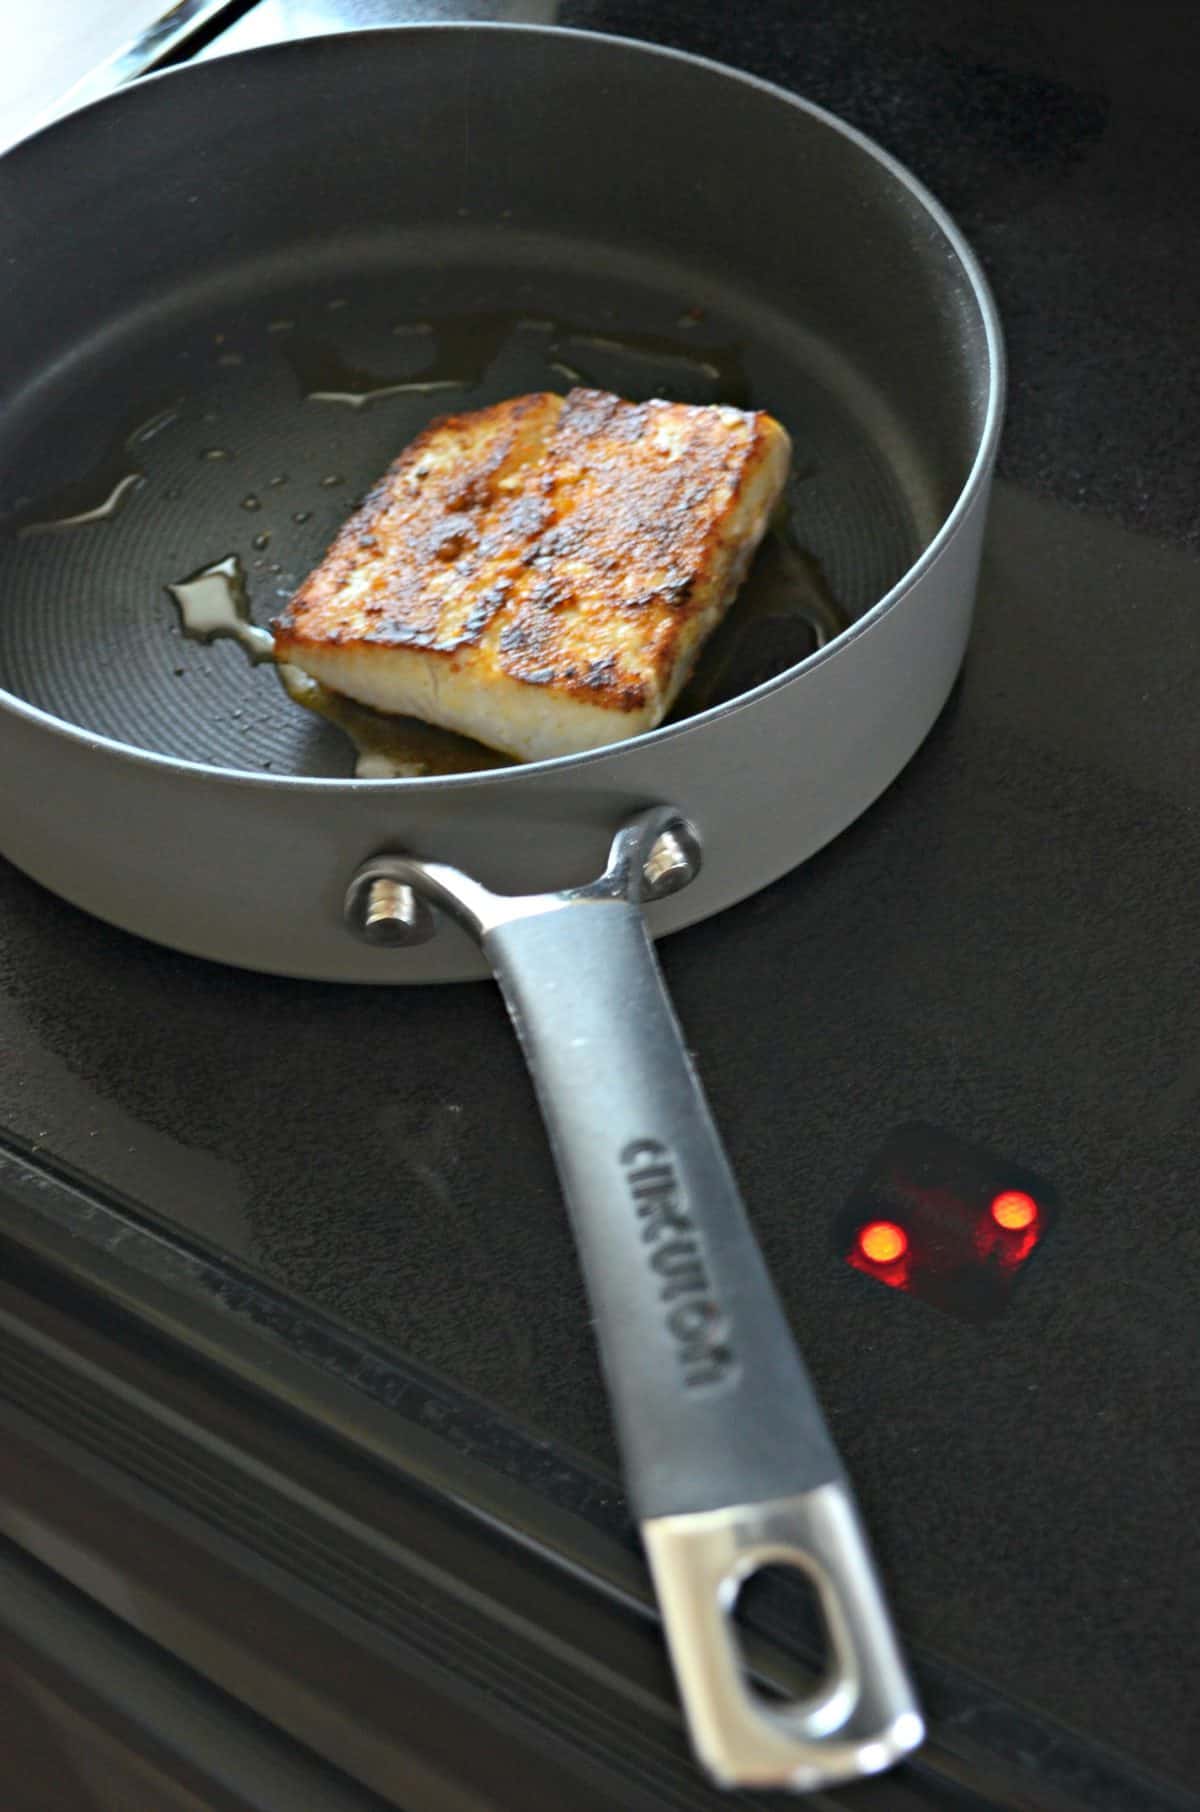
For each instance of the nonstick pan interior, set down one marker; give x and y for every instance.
(448, 218)
(238, 429)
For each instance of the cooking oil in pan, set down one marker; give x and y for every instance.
(389, 748)
(107, 488)
(99, 512)
(462, 349)
(783, 611)
(214, 602)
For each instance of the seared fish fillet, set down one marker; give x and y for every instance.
(540, 574)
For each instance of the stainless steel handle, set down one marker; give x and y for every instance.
(729, 1463)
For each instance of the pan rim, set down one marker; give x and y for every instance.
(564, 766)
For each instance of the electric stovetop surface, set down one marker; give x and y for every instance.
(980, 1004)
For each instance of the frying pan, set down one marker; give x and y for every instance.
(232, 293)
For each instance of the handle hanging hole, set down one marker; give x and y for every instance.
(780, 1604)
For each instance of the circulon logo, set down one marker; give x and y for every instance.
(692, 1317)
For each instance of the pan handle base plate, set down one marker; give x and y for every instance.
(388, 901)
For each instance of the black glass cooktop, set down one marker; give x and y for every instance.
(974, 1019)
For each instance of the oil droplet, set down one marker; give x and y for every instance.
(301, 515)
(251, 502)
(263, 540)
(213, 602)
(100, 512)
(338, 302)
(215, 453)
(332, 478)
(374, 393)
(147, 430)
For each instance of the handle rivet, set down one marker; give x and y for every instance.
(673, 862)
(382, 909)
(389, 913)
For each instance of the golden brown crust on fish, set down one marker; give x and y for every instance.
(540, 574)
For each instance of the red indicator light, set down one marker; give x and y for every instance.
(1013, 1210)
(947, 1222)
(882, 1242)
